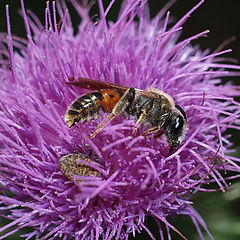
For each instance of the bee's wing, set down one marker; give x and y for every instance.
(90, 84)
(94, 84)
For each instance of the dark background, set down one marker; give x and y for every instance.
(221, 17)
(221, 211)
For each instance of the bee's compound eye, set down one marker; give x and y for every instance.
(177, 123)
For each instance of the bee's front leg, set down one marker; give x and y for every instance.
(151, 130)
(121, 105)
(163, 119)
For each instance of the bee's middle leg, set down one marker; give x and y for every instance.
(147, 108)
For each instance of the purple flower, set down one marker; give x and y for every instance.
(137, 176)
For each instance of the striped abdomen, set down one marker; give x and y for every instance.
(87, 106)
(83, 108)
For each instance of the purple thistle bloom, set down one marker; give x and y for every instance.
(137, 176)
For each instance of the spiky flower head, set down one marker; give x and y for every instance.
(137, 176)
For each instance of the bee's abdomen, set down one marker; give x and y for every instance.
(83, 108)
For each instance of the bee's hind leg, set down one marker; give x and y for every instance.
(102, 124)
(121, 105)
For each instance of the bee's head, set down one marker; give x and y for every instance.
(175, 129)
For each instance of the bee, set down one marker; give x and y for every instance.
(153, 107)
(73, 164)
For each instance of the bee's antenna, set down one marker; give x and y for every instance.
(181, 111)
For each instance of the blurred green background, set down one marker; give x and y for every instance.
(220, 211)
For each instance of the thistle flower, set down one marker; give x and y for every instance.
(137, 176)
